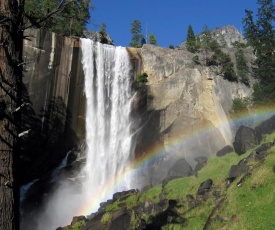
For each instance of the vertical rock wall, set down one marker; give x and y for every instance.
(54, 90)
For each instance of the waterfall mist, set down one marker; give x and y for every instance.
(109, 141)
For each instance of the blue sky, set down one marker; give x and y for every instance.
(168, 20)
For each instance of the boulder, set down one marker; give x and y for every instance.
(205, 187)
(119, 195)
(78, 218)
(121, 220)
(96, 36)
(267, 126)
(146, 187)
(103, 205)
(181, 168)
(264, 147)
(201, 163)
(225, 150)
(245, 139)
(237, 170)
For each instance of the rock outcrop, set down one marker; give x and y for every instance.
(187, 106)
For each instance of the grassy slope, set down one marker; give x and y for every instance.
(249, 206)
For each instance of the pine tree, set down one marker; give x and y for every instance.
(103, 34)
(261, 36)
(142, 42)
(153, 39)
(191, 42)
(136, 34)
(242, 68)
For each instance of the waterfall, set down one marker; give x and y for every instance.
(108, 80)
(109, 150)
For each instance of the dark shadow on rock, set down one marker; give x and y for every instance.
(225, 150)
(245, 139)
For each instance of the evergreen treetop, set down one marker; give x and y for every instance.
(261, 36)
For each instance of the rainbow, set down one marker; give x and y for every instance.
(256, 115)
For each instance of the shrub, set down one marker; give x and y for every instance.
(142, 78)
(106, 218)
(240, 105)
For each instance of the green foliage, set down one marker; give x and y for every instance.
(136, 34)
(78, 225)
(129, 202)
(103, 34)
(69, 22)
(152, 194)
(142, 78)
(242, 203)
(240, 105)
(239, 45)
(191, 42)
(153, 39)
(260, 35)
(215, 56)
(142, 42)
(242, 68)
(171, 46)
(106, 218)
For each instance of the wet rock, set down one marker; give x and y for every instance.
(121, 220)
(237, 170)
(225, 150)
(78, 218)
(192, 202)
(119, 195)
(202, 161)
(146, 187)
(264, 147)
(103, 205)
(181, 168)
(205, 187)
(245, 139)
(267, 126)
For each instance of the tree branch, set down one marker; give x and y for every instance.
(37, 22)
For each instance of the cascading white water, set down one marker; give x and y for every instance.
(108, 80)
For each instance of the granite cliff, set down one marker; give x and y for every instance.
(183, 102)
(187, 106)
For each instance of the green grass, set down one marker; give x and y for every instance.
(254, 201)
(76, 226)
(250, 206)
(129, 202)
(152, 195)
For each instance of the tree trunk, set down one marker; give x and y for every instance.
(11, 43)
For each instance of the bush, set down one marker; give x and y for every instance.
(240, 105)
(106, 218)
(142, 78)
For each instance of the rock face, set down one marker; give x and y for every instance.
(225, 36)
(187, 106)
(53, 91)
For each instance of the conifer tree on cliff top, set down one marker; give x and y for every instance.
(136, 34)
(191, 42)
(260, 34)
